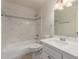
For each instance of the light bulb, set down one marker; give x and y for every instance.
(64, 1)
(72, 0)
(61, 8)
(68, 4)
(56, 6)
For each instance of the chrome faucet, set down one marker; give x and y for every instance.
(63, 39)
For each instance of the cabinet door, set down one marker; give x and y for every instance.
(53, 54)
(45, 55)
(67, 56)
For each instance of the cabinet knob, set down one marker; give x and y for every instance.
(49, 57)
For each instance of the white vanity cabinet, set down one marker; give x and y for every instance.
(49, 53)
(46, 55)
(67, 56)
(56, 49)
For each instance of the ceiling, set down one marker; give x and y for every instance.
(31, 3)
(36, 4)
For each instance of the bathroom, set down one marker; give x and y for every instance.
(39, 29)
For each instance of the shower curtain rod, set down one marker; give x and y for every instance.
(21, 17)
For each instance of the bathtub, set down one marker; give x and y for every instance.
(13, 51)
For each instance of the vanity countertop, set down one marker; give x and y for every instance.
(71, 48)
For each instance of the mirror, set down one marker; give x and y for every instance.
(66, 20)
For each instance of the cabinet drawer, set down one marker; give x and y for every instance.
(53, 53)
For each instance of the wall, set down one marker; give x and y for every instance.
(11, 8)
(38, 27)
(66, 21)
(47, 19)
(14, 29)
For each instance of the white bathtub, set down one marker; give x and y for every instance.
(15, 50)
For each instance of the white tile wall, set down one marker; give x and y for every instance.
(17, 10)
(15, 30)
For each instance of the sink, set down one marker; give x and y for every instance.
(60, 42)
(57, 41)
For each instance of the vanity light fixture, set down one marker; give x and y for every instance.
(61, 3)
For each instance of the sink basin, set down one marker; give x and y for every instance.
(59, 42)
